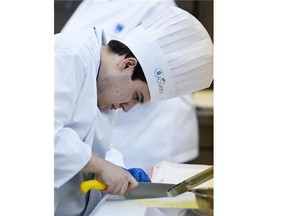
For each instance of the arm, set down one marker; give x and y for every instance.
(70, 152)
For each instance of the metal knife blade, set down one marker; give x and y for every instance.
(144, 189)
(191, 182)
(149, 190)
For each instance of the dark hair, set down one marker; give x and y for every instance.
(121, 49)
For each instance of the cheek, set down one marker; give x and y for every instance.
(122, 93)
(117, 91)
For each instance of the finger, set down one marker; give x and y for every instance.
(132, 185)
(118, 188)
(124, 188)
(109, 189)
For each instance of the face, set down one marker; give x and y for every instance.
(119, 91)
(115, 88)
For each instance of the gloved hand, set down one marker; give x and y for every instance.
(139, 175)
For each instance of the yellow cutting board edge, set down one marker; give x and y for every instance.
(169, 203)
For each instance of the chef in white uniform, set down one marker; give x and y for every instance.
(82, 130)
(175, 53)
(174, 116)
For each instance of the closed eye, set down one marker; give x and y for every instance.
(139, 97)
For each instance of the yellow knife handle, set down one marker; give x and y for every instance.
(93, 184)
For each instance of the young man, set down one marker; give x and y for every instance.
(91, 80)
(81, 86)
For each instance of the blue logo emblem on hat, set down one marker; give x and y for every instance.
(118, 28)
(159, 74)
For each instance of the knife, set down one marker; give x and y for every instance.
(144, 189)
(155, 190)
(190, 183)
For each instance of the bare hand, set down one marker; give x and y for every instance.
(116, 179)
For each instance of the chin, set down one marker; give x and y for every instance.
(101, 106)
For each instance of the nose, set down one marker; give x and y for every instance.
(128, 105)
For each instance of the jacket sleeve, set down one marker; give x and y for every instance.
(70, 153)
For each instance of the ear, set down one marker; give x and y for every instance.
(127, 63)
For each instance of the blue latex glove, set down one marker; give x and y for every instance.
(139, 175)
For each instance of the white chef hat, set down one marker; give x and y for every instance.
(175, 52)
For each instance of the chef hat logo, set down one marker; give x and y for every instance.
(159, 74)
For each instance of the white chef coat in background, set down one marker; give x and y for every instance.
(165, 130)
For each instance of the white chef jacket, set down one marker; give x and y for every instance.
(147, 134)
(164, 130)
(116, 17)
(80, 128)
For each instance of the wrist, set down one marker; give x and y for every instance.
(94, 165)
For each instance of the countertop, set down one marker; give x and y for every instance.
(165, 172)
